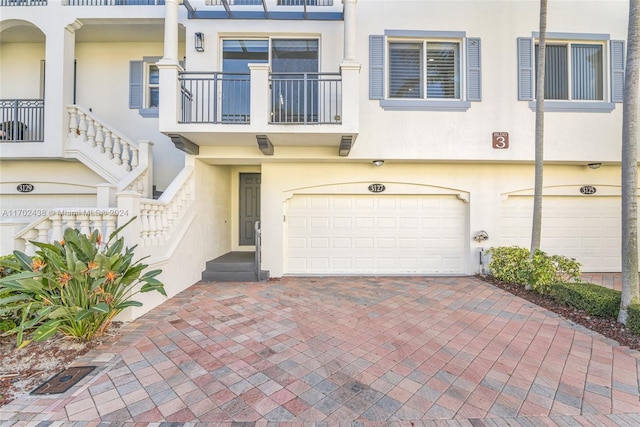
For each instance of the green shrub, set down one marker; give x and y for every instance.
(75, 286)
(509, 264)
(594, 299)
(633, 318)
(514, 265)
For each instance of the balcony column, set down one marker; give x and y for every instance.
(349, 30)
(260, 109)
(171, 31)
(169, 69)
(58, 93)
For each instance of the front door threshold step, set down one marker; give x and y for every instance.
(233, 267)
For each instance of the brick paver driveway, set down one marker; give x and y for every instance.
(351, 349)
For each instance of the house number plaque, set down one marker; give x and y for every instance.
(501, 140)
(588, 189)
(25, 188)
(377, 188)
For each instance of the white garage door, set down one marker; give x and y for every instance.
(362, 234)
(584, 228)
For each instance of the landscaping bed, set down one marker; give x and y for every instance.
(606, 327)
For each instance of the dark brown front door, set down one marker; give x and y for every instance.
(249, 207)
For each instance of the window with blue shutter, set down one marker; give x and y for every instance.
(144, 86)
(422, 70)
(575, 72)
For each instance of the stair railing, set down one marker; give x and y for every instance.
(108, 142)
(158, 217)
(258, 256)
(50, 228)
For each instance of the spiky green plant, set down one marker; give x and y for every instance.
(75, 286)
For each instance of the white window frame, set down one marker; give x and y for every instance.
(568, 44)
(423, 68)
(469, 69)
(612, 70)
(148, 86)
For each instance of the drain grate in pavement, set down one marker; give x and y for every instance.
(64, 380)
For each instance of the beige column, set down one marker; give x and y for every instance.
(171, 31)
(349, 30)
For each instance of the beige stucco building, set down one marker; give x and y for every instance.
(366, 137)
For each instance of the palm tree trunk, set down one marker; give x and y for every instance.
(630, 164)
(536, 227)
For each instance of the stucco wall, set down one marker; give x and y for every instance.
(103, 86)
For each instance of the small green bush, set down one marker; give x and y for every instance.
(508, 264)
(594, 299)
(633, 318)
(514, 265)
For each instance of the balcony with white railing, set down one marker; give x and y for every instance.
(216, 108)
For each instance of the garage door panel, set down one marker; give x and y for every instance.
(376, 235)
(365, 222)
(584, 228)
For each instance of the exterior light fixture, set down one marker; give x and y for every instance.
(594, 165)
(199, 42)
(378, 162)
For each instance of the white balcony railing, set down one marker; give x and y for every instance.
(296, 98)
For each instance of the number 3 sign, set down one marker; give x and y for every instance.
(501, 140)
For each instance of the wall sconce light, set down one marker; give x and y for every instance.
(594, 165)
(481, 236)
(378, 162)
(199, 42)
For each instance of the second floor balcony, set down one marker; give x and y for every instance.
(301, 109)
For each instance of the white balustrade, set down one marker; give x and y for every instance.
(51, 228)
(82, 126)
(159, 217)
(108, 143)
(73, 122)
(91, 132)
(106, 140)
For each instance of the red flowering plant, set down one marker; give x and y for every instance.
(75, 286)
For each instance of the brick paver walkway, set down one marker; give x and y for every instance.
(412, 350)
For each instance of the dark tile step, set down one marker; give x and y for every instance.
(229, 276)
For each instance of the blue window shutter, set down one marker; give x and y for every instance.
(474, 75)
(376, 67)
(525, 69)
(136, 75)
(617, 70)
